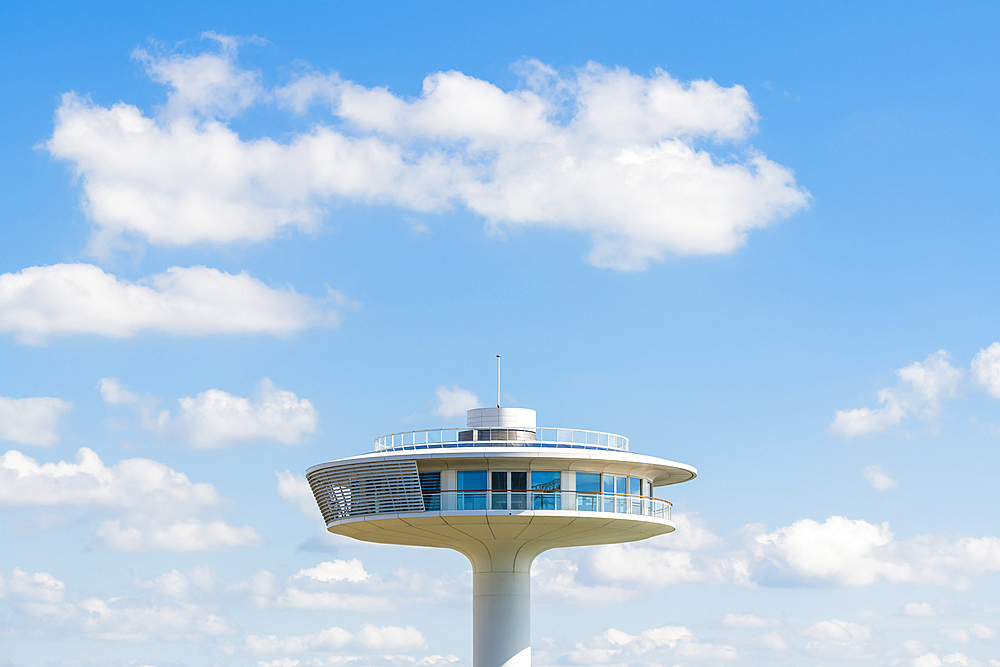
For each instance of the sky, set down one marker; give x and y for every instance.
(241, 239)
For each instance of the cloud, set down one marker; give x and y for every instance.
(845, 552)
(921, 387)
(454, 401)
(153, 505)
(295, 489)
(338, 570)
(919, 609)
(666, 645)
(644, 165)
(43, 301)
(32, 421)
(114, 392)
(839, 639)
(215, 419)
(748, 621)
(41, 598)
(370, 637)
(986, 369)
(879, 478)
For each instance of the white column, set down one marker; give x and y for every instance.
(501, 619)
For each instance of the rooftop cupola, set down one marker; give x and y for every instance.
(521, 418)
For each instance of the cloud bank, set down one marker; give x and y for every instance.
(643, 165)
(43, 301)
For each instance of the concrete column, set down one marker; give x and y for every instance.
(501, 619)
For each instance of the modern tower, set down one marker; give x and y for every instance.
(501, 491)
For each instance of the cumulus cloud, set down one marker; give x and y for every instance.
(454, 401)
(155, 506)
(748, 621)
(667, 645)
(43, 301)
(986, 369)
(41, 597)
(921, 387)
(215, 419)
(644, 165)
(370, 637)
(879, 478)
(32, 421)
(295, 489)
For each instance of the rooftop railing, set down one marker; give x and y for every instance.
(501, 437)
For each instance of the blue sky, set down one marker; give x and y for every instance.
(241, 240)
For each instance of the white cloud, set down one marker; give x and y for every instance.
(986, 368)
(43, 301)
(41, 597)
(338, 570)
(156, 506)
(922, 386)
(295, 489)
(919, 609)
(848, 552)
(666, 645)
(454, 401)
(965, 635)
(185, 535)
(879, 478)
(748, 621)
(172, 584)
(773, 641)
(215, 419)
(645, 165)
(31, 421)
(370, 637)
(836, 638)
(114, 392)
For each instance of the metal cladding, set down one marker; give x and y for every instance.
(359, 489)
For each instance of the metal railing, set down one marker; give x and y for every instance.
(497, 437)
(573, 501)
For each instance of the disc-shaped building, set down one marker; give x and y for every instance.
(501, 491)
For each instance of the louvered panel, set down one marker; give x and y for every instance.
(359, 489)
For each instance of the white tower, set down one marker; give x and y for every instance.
(500, 491)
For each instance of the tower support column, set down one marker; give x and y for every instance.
(501, 619)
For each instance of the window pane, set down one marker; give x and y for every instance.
(499, 480)
(620, 485)
(588, 482)
(519, 481)
(635, 486)
(498, 500)
(471, 480)
(609, 484)
(544, 480)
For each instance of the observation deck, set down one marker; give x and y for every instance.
(500, 491)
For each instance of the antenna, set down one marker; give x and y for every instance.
(498, 380)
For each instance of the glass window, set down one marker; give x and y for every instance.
(609, 484)
(519, 481)
(545, 480)
(588, 482)
(471, 480)
(635, 486)
(498, 481)
(619, 484)
(430, 486)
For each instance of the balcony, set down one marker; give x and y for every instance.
(501, 437)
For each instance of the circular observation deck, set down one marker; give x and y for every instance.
(497, 481)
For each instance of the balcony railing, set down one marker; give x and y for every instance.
(574, 501)
(501, 437)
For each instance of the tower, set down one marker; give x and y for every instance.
(501, 491)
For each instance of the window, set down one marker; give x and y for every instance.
(519, 490)
(544, 484)
(588, 485)
(609, 489)
(635, 490)
(498, 490)
(621, 503)
(430, 487)
(472, 480)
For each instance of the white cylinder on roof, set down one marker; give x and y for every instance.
(501, 418)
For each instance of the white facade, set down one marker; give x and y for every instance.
(501, 491)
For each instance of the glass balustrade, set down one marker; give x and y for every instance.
(501, 437)
(472, 500)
